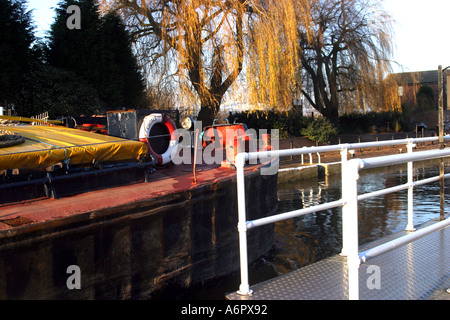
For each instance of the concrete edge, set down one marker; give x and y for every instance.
(306, 172)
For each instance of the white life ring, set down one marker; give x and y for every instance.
(144, 136)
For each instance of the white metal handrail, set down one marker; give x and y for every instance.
(350, 210)
(349, 201)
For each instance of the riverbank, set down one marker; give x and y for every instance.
(325, 164)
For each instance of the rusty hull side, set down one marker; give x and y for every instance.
(178, 234)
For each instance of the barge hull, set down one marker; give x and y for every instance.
(130, 242)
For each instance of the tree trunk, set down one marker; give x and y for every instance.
(209, 111)
(332, 114)
(211, 94)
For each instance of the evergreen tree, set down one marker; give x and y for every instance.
(57, 91)
(100, 52)
(74, 49)
(16, 38)
(120, 80)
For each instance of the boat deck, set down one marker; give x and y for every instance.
(419, 270)
(170, 180)
(45, 146)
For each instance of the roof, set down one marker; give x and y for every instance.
(410, 78)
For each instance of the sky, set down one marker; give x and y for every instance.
(421, 29)
(43, 14)
(422, 32)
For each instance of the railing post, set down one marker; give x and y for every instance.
(344, 160)
(410, 225)
(350, 236)
(303, 160)
(244, 288)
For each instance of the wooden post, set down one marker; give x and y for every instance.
(441, 108)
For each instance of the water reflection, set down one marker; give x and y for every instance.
(307, 239)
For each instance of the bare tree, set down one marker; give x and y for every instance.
(346, 53)
(206, 44)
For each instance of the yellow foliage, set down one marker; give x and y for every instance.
(209, 46)
(211, 42)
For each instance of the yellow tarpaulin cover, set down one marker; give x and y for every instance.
(45, 146)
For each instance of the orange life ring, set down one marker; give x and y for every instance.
(165, 126)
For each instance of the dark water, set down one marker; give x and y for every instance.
(317, 236)
(302, 241)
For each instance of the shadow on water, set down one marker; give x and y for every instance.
(305, 240)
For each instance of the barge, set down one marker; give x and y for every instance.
(130, 224)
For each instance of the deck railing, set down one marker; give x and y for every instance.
(349, 201)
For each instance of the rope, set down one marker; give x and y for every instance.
(9, 139)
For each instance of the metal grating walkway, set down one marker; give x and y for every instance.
(416, 271)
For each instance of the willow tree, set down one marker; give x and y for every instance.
(206, 45)
(346, 54)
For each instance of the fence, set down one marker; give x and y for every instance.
(349, 201)
(41, 119)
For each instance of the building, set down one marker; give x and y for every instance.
(409, 84)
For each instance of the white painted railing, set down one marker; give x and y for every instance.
(42, 119)
(349, 201)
